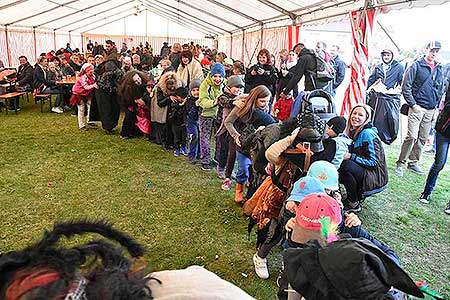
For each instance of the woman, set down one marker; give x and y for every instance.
(189, 69)
(363, 171)
(245, 120)
(263, 73)
(43, 84)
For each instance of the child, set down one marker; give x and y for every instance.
(282, 108)
(131, 90)
(210, 89)
(82, 93)
(192, 119)
(225, 146)
(177, 120)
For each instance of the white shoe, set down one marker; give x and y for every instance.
(57, 110)
(260, 266)
(398, 171)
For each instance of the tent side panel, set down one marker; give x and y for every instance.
(44, 41)
(3, 51)
(21, 43)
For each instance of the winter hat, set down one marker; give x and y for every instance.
(387, 51)
(434, 45)
(326, 173)
(86, 67)
(235, 81)
(217, 68)
(338, 124)
(228, 61)
(310, 211)
(187, 54)
(305, 186)
(182, 92)
(195, 83)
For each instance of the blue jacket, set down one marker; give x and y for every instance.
(422, 85)
(367, 151)
(339, 71)
(393, 78)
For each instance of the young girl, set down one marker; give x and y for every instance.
(282, 108)
(252, 114)
(363, 171)
(131, 91)
(210, 89)
(189, 69)
(82, 93)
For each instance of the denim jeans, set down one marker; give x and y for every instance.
(243, 172)
(193, 133)
(440, 158)
(54, 91)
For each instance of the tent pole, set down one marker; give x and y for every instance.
(34, 41)
(7, 46)
(54, 39)
(262, 36)
(146, 23)
(243, 46)
(231, 45)
(70, 38)
(82, 43)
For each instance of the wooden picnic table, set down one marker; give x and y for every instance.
(8, 96)
(67, 81)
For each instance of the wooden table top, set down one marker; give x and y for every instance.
(67, 81)
(11, 95)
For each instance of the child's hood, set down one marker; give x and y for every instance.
(211, 82)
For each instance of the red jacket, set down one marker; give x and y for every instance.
(284, 107)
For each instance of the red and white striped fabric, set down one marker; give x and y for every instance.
(362, 25)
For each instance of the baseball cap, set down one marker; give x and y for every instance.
(434, 45)
(303, 187)
(326, 173)
(308, 215)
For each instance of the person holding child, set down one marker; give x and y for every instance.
(363, 171)
(82, 92)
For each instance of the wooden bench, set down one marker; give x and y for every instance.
(41, 98)
(7, 97)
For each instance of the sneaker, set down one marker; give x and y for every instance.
(66, 108)
(260, 266)
(416, 169)
(429, 152)
(398, 171)
(206, 167)
(12, 109)
(57, 110)
(176, 152)
(397, 295)
(447, 209)
(424, 198)
(92, 125)
(184, 151)
(226, 184)
(84, 128)
(221, 172)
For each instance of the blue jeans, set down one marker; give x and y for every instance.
(440, 158)
(54, 91)
(192, 131)
(243, 172)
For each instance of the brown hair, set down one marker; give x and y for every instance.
(266, 53)
(353, 133)
(169, 77)
(238, 65)
(261, 91)
(128, 90)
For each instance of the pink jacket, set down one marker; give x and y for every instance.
(84, 85)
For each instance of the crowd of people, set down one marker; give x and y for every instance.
(299, 176)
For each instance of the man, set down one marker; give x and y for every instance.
(68, 49)
(124, 48)
(422, 90)
(66, 69)
(389, 71)
(339, 68)
(147, 60)
(89, 46)
(95, 49)
(75, 62)
(91, 60)
(165, 49)
(98, 59)
(137, 62)
(175, 55)
(127, 64)
(24, 80)
(306, 65)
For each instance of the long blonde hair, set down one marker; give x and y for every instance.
(353, 133)
(260, 91)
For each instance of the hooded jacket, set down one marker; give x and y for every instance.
(423, 86)
(367, 151)
(391, 79)
(209, 92)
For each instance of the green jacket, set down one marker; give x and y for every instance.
(209, 92)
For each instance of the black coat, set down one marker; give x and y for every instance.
(25, 74)
(268, 78)
(306, 66)
(40, 79)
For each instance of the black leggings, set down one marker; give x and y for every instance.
(351, 175)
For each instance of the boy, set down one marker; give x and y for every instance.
(193, 112)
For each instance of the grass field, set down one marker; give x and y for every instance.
(49, 171)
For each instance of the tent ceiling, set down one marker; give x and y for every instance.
(206, 16)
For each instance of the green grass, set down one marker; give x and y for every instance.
(49, 171)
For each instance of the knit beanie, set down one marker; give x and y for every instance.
(195, 83)
(235, 81)
(337, 124)
(217, 68)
